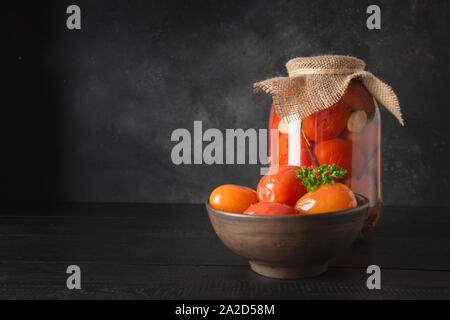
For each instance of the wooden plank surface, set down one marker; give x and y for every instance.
(128, 281)
(171, 251)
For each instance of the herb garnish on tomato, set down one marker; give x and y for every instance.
(325, 174)
(324, 195)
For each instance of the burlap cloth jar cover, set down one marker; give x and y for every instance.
(317, 83)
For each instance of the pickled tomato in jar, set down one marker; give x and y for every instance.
(347, 134)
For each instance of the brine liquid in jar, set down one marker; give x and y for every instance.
(347, 134)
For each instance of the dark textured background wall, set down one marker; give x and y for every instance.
(87, 115)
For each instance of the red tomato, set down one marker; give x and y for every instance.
(270, 208)
(232, 198)
(327, 198)
(281, 185)
(339, 152)
(326, 124)
(357, 97)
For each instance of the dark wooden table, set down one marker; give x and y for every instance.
(171, 252)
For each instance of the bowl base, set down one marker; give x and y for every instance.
(288, 272)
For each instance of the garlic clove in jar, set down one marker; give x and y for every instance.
(357, 121)
(283, 125)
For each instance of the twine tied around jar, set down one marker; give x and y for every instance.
(317, 83)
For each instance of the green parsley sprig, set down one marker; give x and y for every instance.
(325, 174)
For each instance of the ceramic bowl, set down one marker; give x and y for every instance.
(290, 246)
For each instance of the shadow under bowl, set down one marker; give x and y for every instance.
(290, 246)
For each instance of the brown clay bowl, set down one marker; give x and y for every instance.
(290, 246)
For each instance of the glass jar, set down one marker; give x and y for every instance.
(347, 134)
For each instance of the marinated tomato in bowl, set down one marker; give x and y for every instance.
(288, 190)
